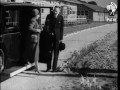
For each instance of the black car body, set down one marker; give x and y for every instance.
(11, 15)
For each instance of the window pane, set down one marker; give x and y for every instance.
(0, 19)
(86, 12)
(82, 12)
(11, 19)
(78, 12)
(0, 15)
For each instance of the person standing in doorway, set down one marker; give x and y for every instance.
(32, 34)
(55, 24)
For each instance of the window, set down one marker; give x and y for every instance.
(42, 10)
(86, 12)
(11, 19)
(78, 13)
(82, 12)
(73, 12)
(68, 12)
(64, 11)
(0, 19)
(0, 16)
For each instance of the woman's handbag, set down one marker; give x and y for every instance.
(61, 46)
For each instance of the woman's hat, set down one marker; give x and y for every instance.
(35, 12)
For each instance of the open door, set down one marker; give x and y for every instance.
(11, 35)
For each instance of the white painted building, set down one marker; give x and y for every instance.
(95, 12)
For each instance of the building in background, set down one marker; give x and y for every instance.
(73, 11)
(93, 12)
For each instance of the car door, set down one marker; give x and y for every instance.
(11, 34)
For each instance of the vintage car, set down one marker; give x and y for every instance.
(11, 17)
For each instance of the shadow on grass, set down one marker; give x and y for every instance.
(82, 72)
(88, 70)
(97, 72)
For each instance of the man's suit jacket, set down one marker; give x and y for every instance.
(55, 25)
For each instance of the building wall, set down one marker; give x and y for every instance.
(101, 15)
(98, 16)
(69, 11)
(83, 9)
(95, 16)
(44, 13)
(102, 18)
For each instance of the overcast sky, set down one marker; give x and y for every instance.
(103, 3)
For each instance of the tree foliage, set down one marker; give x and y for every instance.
(92, 2)
(82, 1)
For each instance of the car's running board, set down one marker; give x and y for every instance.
(16, 70)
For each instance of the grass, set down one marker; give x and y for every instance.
(87, 83)
(90, 84)
(100, 55)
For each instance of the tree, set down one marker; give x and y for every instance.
(82, 1)
(92, 2)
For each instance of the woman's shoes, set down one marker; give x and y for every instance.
(36, 70)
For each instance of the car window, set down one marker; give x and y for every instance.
(11, 20)
(0, 16)
(0, 19)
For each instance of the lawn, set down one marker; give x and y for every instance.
(101, 54)
(98, 60)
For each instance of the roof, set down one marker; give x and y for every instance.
(72, 1)
(95, 7)
(22, 4)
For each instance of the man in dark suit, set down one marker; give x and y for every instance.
(55, 24)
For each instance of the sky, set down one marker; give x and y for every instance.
(103, 3)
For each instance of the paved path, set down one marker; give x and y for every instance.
(30, 80)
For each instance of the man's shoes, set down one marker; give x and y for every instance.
(49, 70)
(54, 70)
